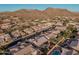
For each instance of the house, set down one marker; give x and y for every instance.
(39, 41)
(78, 33)
(60, 28)
(16, 33)
(5, 26)
(5, 38)
(77, 26)
(14, 50)
(1, 39)
(36, 28)
(28, 50)
(28, 30)
(68, 52)
(59, 24)
(75, 44)
(6, 21)
(56, 32)
(22, 33)
(53, 34)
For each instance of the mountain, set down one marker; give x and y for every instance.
(41, 14)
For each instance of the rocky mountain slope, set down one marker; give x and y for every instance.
(41, 14)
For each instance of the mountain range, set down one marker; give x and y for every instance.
(41, 14)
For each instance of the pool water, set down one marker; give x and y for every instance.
(56, 53)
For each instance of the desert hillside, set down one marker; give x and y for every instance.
(41, 14)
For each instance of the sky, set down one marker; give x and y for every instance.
(14, 7)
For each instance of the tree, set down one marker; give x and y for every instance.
(65, 22)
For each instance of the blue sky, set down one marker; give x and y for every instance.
(13, 7)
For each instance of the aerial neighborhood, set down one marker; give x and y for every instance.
(34, 32)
